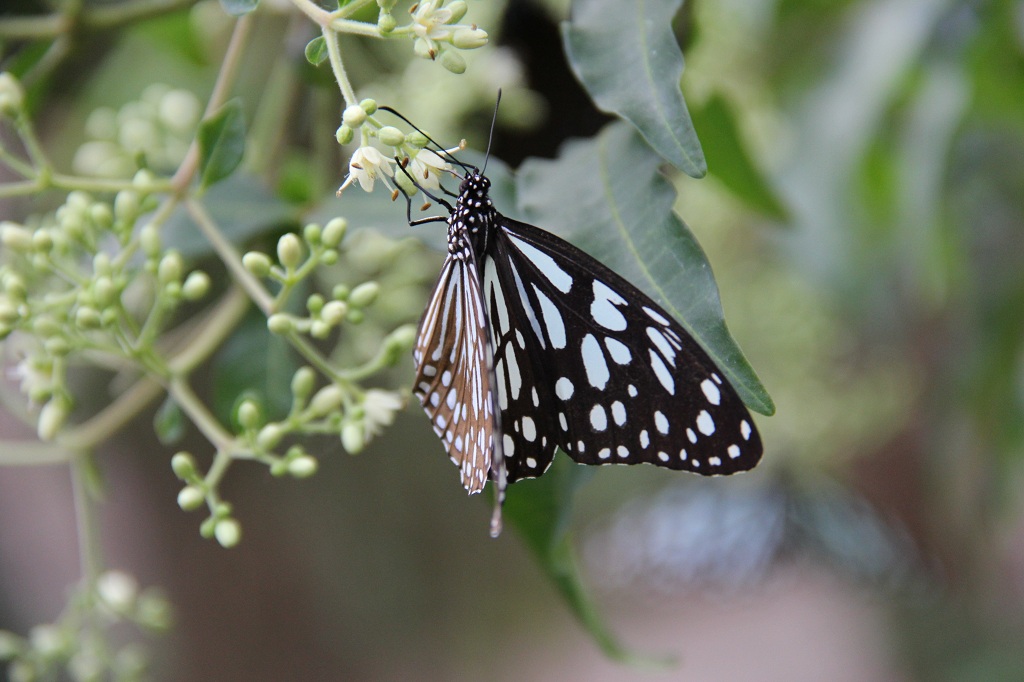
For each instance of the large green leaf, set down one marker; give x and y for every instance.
(729, 160)
(626, 56)
(540, 511)
(607, 196)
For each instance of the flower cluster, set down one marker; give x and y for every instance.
(64, 295)
(435, 26)
(66, 645)
(420, 168)
(153, 132)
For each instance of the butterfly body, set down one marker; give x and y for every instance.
(529, 344)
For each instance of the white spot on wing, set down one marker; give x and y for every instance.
(745, 429)
(603, 308)
(661, 371)
(711, 392)
(598, 418)
(515, 379)
(564, 388)
(619, 351)
(529, 429)
(661, 421)
(594, 362)
(663, 345)
(553, 322)
(660, 319)
(619, 413)
(734, 451)
(705, 424)
(546, 264)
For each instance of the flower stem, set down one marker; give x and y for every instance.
(334, 54)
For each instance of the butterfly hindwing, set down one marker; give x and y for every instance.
(452, 371)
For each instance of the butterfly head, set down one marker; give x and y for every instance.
(475, 186)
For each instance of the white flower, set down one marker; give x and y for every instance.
(380, 407)
(35, 377)
(430, 25)
(426, 167)
(366, 164)
(117, 590)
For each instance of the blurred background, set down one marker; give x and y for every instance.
(864, 215)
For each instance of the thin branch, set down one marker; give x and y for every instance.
(230, 256)
(225, 80)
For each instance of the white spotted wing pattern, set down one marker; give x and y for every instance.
(573, 356)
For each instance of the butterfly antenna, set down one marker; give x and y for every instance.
(490, 138)
(440, 149)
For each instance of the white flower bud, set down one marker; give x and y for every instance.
(302, 467)
(353, 116)
(391, 136)
(327, 399)
(190, 498)
(453, 61)
(289, 250)
(257, 263)
(334, 232)
(364, 294)
(469, 38)
(228, 532)
(52, 417)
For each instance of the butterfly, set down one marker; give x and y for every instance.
(529, 345)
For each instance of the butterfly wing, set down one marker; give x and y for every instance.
(453, 372)
(617, 380)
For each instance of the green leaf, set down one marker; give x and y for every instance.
(241, 206)
(237, 8)
(169, 422)
(621, 213)
(626, 56)
(316, 51)
(540, 510)
(221, 143)
(729, 161)
(254, 364)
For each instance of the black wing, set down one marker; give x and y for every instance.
(593, 365)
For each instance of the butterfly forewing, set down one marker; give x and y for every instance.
(453, 375)
(619, 381)
(523, 388)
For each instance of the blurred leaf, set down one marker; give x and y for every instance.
(237, 8)
(241, 206)
(621, 213)
(626, 56)
(252, 364)
(729, 160)
(176, 34)
(540, 510)
(316, 51)
(296, 178)
(169, 422)
(221, 143)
